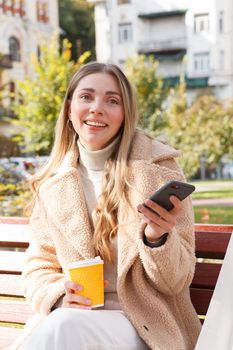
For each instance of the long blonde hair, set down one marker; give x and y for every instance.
(115, 172)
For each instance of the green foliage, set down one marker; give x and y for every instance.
(200, 130)
(8, 148)
(39, 100)
(226, 130)
(13, 199)
(77, 22)
(142, 72)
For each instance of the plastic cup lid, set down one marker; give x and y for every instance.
(86, 262)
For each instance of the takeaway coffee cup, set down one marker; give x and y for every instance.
(90, 275)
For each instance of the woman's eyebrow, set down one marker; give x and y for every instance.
(113, 93)
(87, 89)
(107, 92)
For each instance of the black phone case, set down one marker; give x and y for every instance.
(176, 188)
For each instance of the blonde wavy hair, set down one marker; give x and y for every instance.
(116, 168)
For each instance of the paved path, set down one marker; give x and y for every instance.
(223, 202)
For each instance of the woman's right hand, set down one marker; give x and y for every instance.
(73, 300)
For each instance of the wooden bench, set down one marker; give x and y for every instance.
(211, 243)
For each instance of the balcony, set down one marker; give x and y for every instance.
(153, 46)
(192, 83)
(163, 14)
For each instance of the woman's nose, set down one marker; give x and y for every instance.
(96, 107)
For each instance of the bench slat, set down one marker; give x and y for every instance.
(14, 311)
(8, 335)
(14, 236)
(213, 228)
(11, 262)
(211, 245)
(201, 299)
(13, 220)
(206, 275)
(10, 285)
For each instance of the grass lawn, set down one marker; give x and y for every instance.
(211, 182)
(217, 215)
(214, 194)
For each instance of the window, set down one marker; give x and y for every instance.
(202, 62)
(13, 7)
(2, 7)
(221, 59)
(221, 21)
(42, 11)
(201, 23)
(120, 2)
(125, 32)
(14, 49)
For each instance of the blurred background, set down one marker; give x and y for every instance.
(177, 53)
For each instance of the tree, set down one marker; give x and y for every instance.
(77, 23)
(199, 130)
(151, 94)
(226, 132)
(39, 100)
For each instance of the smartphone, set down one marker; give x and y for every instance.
(176, 188)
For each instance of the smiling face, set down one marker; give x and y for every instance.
(96, 110)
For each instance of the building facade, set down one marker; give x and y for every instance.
(25, 25)
(189, 38)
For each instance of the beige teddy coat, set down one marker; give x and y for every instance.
(153, 283)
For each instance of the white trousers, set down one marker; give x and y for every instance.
(72, 329)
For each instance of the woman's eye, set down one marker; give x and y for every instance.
(85, 97)
(113, 101)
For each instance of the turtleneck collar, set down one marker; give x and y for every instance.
(95, 160)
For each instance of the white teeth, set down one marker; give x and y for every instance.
(91, 123)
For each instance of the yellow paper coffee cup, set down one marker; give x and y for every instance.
(90, 275)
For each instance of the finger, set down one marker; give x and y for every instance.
(168, 216)
(77, 306)
(81, 307)
(72, 287)
(160, 224)
(78, 299)
(68, 304)
(177, 205)
(166, 221)
(106, 283)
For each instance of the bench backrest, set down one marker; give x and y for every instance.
(13, 243)
(211, 244)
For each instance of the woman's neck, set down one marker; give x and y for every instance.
(95, 160)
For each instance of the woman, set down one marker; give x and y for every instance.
(88, 202)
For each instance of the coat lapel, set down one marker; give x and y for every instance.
(71, 214)
(146, 175)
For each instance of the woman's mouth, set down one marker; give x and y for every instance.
(95, 123)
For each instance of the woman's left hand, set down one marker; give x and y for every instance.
(158, 220)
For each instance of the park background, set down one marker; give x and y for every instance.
(67, 35)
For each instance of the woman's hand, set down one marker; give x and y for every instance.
(158, 220)
(71, 299)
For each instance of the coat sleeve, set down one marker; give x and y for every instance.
(42, 278)
(170, 267)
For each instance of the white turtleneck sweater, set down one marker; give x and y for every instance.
(91, 168)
